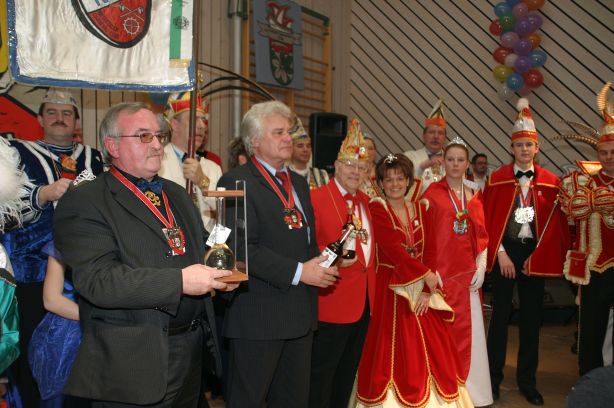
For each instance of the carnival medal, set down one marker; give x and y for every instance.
(293, 218)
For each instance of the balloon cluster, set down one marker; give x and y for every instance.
(519, 56)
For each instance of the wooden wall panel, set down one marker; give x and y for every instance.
(406, 54)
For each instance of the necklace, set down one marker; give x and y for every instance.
(408, 231)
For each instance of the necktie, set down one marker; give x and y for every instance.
(352, 198)
(285, 181)
(527, 174)
(155, 186)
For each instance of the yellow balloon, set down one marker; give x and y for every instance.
(501, 72)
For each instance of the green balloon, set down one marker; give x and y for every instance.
(508, 22)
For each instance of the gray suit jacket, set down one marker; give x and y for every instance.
(268, 306)
(128, 285)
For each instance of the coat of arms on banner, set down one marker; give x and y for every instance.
(278, 43)
(103, 44)
(121, 23)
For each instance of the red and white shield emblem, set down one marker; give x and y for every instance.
(121, 23)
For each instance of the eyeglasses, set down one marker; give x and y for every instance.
(361, 167)
(147, 137)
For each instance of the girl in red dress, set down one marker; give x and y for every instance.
(456, 247)
(409, 358)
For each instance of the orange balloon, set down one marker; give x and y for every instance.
(535, 40)
(534, 4)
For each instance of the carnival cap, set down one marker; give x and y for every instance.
(353, 146)
(297, 131)
(180, 102)
(607, 109)
(524, 126)
(436, 117)
(60, 96)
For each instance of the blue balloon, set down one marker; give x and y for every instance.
(502, 8)
(512, 3)
(514, 82)
(538, 58)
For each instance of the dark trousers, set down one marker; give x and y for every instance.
(31, 312)
(531, 299)
(184, 374)
(269, 373)
(596, 299)
(336, 353)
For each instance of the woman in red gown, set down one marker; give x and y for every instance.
(409, 358)
(456, 248)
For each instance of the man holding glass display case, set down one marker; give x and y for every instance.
(136, 244)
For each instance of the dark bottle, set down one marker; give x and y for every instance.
(350, 248)
(335, 249)
(220, 256)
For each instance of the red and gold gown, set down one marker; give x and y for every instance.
(407, 360)
(455, 256)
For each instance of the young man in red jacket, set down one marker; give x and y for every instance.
(528, 240)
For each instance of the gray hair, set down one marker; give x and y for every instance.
(251, 125)
(108, 125)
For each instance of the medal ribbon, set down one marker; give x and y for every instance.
(462, 214)
(525, 200)
(170, 223)
(289, 203)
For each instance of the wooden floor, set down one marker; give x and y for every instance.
(557, 373)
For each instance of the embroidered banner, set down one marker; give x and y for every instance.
(5, 76)
(278, 43)
(109, 44)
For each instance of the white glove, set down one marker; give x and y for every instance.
(478, 276)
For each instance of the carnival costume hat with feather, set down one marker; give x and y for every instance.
(524, 126)
(590, 136)
(12, 181)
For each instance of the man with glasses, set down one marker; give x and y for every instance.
(50, 164)
(135, 243)
(343, 308)
(176, 166)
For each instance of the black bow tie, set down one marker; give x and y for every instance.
(437, 154)
(527, 174)
(154, 186)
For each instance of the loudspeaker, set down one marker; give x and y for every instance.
(327, 131)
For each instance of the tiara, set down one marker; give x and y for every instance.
(85, 175)
(458, 141)
(390, 158)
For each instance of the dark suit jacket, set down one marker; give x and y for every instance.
(128, 285)
(268, 306)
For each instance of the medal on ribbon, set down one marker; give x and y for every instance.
(291, 216)
(461, 222)
(174, 235)
(525, 213)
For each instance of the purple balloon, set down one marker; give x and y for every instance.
(509, 39)
(522, 64)
(520, 10)
(523, 47)
(523, 27)
(535, 20)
